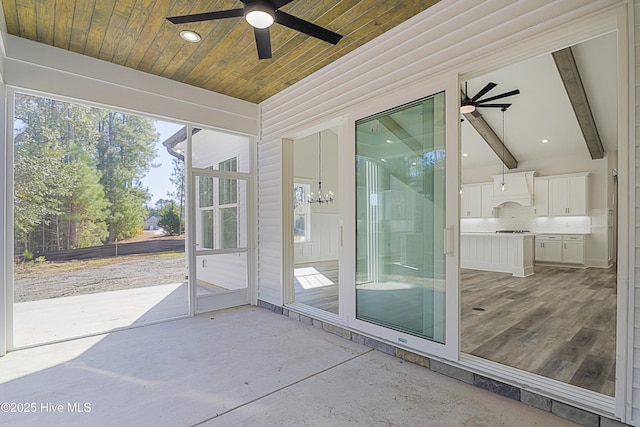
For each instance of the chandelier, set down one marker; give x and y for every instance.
(320, 197)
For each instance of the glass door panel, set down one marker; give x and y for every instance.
(400, 218)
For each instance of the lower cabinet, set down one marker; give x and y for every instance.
(548, 248)
(559, 248)
(573, 249)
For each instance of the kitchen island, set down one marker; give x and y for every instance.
(500, 252)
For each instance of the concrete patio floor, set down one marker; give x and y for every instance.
(239, 367)
(55, 319)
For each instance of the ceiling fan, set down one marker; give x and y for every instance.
(469, 105)
(261, 14)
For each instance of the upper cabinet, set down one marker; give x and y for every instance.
(541, 197)
(488, 211)
(471, 201)
(475, 201)
(568, 195)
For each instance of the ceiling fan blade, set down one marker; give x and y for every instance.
(502, 95)
(307, 27)
(263, 42)
(484, 90)
(494, 105)
(207, 16)
(279, 3)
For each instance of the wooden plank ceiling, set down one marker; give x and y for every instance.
(135, 33)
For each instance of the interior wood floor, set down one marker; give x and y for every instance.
(559, 323)
(324, 297)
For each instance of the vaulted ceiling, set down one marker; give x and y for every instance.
(135, 34)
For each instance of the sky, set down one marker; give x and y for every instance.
(157, 179)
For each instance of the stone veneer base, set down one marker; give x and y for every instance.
(562, 410)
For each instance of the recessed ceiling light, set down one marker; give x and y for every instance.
(413, 164)
(545, 141)
(383, 160)
(190, 36)
(388, 141)
(465, 154)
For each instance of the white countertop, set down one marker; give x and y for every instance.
(489, 233)
(493, 233)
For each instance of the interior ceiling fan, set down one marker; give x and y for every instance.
(469, 105)
(261, 14)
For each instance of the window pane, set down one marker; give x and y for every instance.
(400, 272)
(229, 228)
(301, 213)
(207, 229)
(228, 187)
(205, 191)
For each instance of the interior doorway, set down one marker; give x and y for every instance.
(316, 220)
(560, 321)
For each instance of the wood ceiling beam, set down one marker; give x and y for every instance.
(570, 75)
(495, 143)
(400, 132)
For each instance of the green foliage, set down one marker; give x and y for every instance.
(77, 174)
(177, 179)
(27, 254)
(40, 260)
(170, 220)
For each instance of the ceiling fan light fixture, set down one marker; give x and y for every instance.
(190, 36)
(468, 108)
(259, 15)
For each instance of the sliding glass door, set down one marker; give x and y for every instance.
(400, 218)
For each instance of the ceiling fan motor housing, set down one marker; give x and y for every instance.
(259, 14)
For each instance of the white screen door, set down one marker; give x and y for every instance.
(219, 220)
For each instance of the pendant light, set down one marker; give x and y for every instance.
(320, 198)
(502, 187)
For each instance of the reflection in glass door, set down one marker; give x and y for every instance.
(219, 213)
(400, 218)
(316, 221)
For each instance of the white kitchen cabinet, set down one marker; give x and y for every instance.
(541, 197)
(568, 195)
(548, 248)
(558, 248)
(505, 253)
(573, 249)
(471, 201)
(488, 211)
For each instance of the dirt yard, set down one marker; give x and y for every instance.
(35, 281)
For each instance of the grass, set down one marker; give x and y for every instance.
(36, 269)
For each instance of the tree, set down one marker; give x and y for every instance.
(55, 180)
(170, 220)
(177, 179)
(125, 150)
(77, 173)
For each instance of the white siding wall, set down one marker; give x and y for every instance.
(449, 38)
(635, 294)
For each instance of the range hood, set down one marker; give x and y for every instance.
(518, 188)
